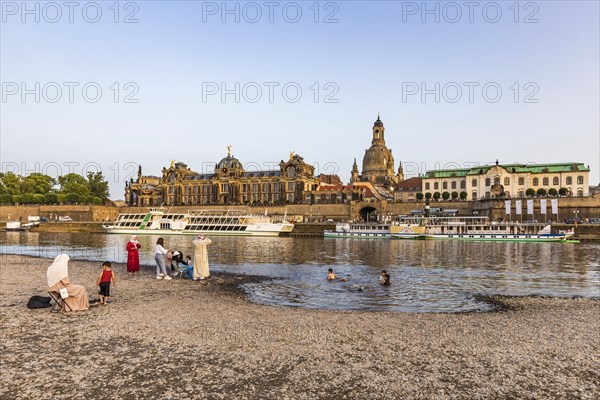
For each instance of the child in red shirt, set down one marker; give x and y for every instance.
(104, 280)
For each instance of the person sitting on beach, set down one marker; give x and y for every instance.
(106, 277)
(58, 278)
(384, 278)
(188, 272)
(332, 277)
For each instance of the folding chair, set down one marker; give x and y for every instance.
(59, 303)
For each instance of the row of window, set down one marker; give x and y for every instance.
(225, 188)
(488, 182)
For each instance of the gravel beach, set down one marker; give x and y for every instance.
(181, 339)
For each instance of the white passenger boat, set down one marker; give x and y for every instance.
(373, 230)
(15, 226)
(210, 222)
(480, 229)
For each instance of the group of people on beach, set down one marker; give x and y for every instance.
(384, 277)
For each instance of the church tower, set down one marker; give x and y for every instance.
(355, 177)
(378, 161)
(378, 133)
(400, 172)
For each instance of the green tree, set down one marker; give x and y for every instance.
(445, 195)
(73, 184)
(454, 195)
(97, 184)
(530, 192)
(6, 198)
(97, 200)
(51, 198)
(419, 196)
(563, 191)
(73, 198)
(38, 198)
(16, 198)
(37, 183)
(12, 183)
(553, 192)
(436, 195)
(428, 195)
(463, 195)
(61, 198)
(541, 192)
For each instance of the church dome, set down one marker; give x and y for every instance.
(229, 163)
(378, 158)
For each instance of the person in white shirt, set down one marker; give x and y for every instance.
(159, 257)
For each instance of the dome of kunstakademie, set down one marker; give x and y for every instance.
(229, 162)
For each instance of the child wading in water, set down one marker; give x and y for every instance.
(104, 280)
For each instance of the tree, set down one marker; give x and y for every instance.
(436, 195)
(16, 198)
(445, 195)
(419, 196)
(38, 198)
(541, 192)
(73, 198)
(463, 195)
(563, 191)
(6, 198)
(97, 184)
(37, 183)
(73, 184)
(96, 200)
(553, 192)
(428, 195)
(530, 192)
(27, 198)
(454, 195)
(12, 183)
(51, 198)
(61, 198)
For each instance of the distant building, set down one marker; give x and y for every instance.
(228, 184)
(509, 180)
(378, 162)
(408, 189)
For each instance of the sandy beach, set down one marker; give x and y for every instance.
(181, 339)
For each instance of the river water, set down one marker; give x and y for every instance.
(427, 276)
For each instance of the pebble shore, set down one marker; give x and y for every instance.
(204, 340)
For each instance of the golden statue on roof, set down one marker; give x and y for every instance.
(172, 163)
(229, 151)
(291, 154)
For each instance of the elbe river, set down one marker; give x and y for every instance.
(427, 276)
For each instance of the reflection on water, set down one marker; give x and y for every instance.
(427, 275)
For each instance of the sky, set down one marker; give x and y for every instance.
(97, 86)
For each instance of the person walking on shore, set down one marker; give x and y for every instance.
(133, 255)
(159, 257)
(106, 277)
(201, 270)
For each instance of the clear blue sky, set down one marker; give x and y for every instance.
(372, 55)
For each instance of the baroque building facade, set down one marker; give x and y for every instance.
(230, 183)
(509, 180)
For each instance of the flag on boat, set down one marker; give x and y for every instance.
(543, 205)
(518, 207)
(507, 207)
(530, 207)
(554, 203)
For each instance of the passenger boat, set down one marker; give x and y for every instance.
(15, 226)
(210, 222)
(373, 230)
(480, 229)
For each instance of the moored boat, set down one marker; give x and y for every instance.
(209, 222)
(372, 230)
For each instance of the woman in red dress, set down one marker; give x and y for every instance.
(133, 257)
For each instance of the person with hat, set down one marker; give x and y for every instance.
(133, 255)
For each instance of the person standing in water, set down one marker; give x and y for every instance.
(332, 277)
(133, 256)
(201, 270)
(384, 278)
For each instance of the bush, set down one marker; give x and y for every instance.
(553, 192)
(16, 198)
(436, 195)
(428, 195)
(96, 200)
(27, 198)
(563, 191)
(50, 198)
(419, 196)
(530, 192)
(541, 192)
(87, 199)
(6, 198)
(72, 198)
(463, 195)
(454, 195)
(61, 198)
(445, 195)
(38, 198)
